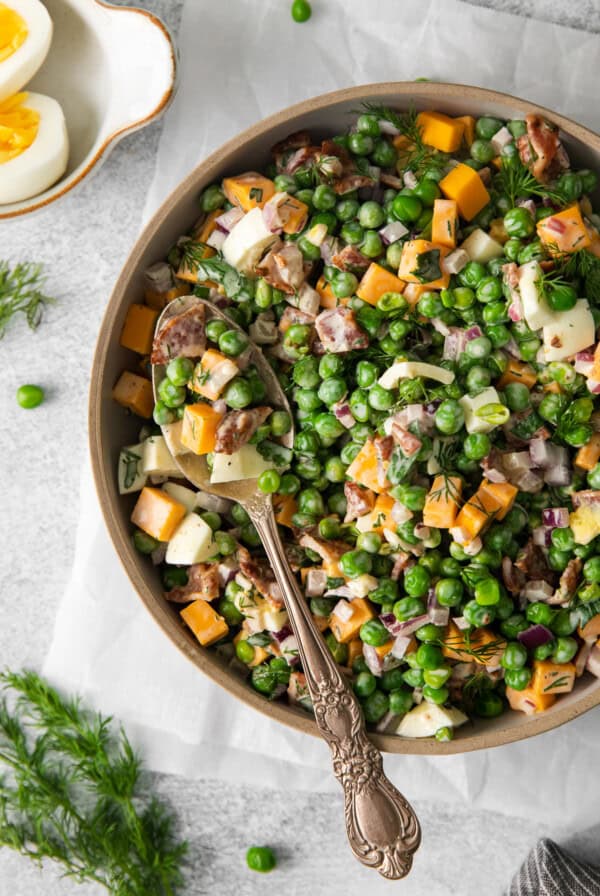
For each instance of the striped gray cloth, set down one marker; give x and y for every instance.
(549, 871)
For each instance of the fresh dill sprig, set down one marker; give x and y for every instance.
(416, 156)
(72, 792)
(583, 265)
(475, 649)
(21, 293)
(517, 182)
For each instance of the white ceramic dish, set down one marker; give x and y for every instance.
(113, 70)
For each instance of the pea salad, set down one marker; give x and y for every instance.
(427, 290)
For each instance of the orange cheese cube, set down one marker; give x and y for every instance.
(205, 622)
(212, 374)
(518, 372)
(138, 330)
(260, 654)
(207, 226)
(157, 514)
(380, 517)
(248, 190)
(441, 505)
(497, 497)
(552, 678)
(552, 387)
(328, 299)
(383, 649)
(322, 623)
(465, 186)
(355, 649)
(189, 272)
(363, 469)
(480, 646)
(294, 214)
(469, 128)
(333, 570)
(589, 454)
(134, 393)
(411, 261)
(472, 519)
(402, 143)
(591, 629)
(564, 231)
(528, 701)
(199, 429)
(413, 292)
(375, 282)
(497, 231)
(158, 300)
(285, 507)
(346, 631)
(444, 222)
(440, 131)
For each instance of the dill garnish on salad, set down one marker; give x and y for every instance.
(427, 289)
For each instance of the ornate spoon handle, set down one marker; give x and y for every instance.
(382, 827)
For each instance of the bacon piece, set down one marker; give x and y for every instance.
(403, 561)
(328, 551)
(409, 443)
(283, 268)
(293, 141)
(237, 428)
(513, 578)
(339, 332)
(384, 447)
(350, 258)
(360, 500)
(532, 561)
(350, 182)
(568, 581)
(181, 336)
(541, 150)
(389, 180)
(203, 581)
(293, 315)
(511, 274)
(261, 575)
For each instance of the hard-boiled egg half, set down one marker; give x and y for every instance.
(34, 145)
(25, 36)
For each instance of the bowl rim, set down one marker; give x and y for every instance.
(95, 156)
(206, 170)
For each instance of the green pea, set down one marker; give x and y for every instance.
(449, 417)
(477, 614)
(384, 154)
(335, 469)
(517, 396)
(412, 496)
(332, 389)
(347, 209)
(311, 501)
(30, 396)
(361, 144)
(408, 608)
(375, 706)
(171, 395)
(269, 482)
(430, 305)
(374, 632)
(328, 428)
(309, 250)
(238, 394)
(308, 468)
(349, 452)
(179, 371)
(354, 564)
(372, 244)
(488, 704)
(371, 215)
(427, 191)
(304, 195)
(472, 274)
(563, 539)
(477, 445)
(435, 695)
(429, 632)
(514, 655)
(482, 151)
(429, 656)
(436, 678)
(329, 527)
(212, 198)
(250, 536)
(413, 678)
(289, 484)
(143, 542)
(263, 679)
(324, 198)
(564, 623)
(591, 569)
(401, 700)
(336, 502)
(487, 592)
(393, 255)
(379, 398)
(261, 858)
(449, 592)
(532, 252)
(478, 348)
(365, 684)
(369, 541)
(244, 652)
(519, 223)
(589, 180)
(406, 208)
(486, 127)
(564, 650)
(517, 679)
(570, 185)
(416, 581)
(344, 285)
(162, 414)
(489, 289)
(561, 297)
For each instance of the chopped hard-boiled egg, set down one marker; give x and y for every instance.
(34, 146)
(25, 35)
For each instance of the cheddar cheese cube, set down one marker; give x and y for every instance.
(413, 292)
(591, 629)
(589, 454)
(480, 646)
(442, 502)
(205, 623)
(444, 222)
(363, 468)
(285, 506)
(440, 131)
(134, 393)
(529, 701)
(379, 518)
(421, 262)
(552, 678)
(326, 294)
(248, 190)
(355, 649)
(157, 513)
(207, 226)
(138, 329)
(347, 630)
(464, 185)
(199, 429)
(260, 654)
(375, 282)
(564, 231)
(294, 214)
(469, 128)
(158, 300)
(518, 372)
(212, 373)
(497, 498)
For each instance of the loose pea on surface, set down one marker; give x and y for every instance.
(261, 858)
(30, 396)
(301, 11)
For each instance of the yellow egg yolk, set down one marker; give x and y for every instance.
(13, 31)
(18, 127)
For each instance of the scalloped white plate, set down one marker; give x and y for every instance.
(113, 70)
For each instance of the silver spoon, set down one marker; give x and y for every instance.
(382, 827)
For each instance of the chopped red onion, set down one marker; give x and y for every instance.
(418, 696)
(441, 327)
(216, 239)
(373, 660)
(328, 248)
(584, 362)
(473, 547)
(396, 628)
(537, 590)
(515, 312)
(410, 180)
(585, 498)
(400, 646)
(542, 536)
(282, 634)
(229, 219)
(289, 650)
(461, 623)
(343, 413)
(555, 517)
(529, 204)
(393, 232)
(535, 636)
(546, 454)
(439, 615)
(593, 386)
(557, 476)
(340, 591)
(343, 611)
(227, 570)
(454, 343)
(473, 333)
(213, 502)
(511, 346)
(386, 127)
(220, 406)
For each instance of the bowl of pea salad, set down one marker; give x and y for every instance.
(420, 265)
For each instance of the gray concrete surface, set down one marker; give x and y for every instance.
(83, 242)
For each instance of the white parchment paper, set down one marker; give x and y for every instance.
(242, 60)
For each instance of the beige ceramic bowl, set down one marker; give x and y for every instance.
(110, 427)
(113, 70)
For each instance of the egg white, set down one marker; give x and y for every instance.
(42, 163)
(19, 68)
